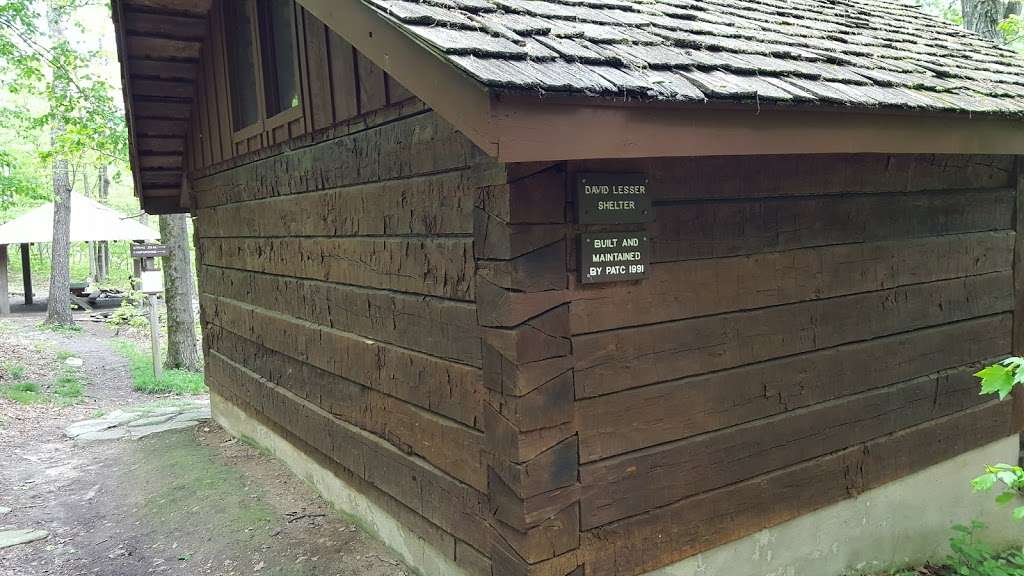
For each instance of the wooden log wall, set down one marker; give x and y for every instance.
(809, 330)
(337, 84)
(338, 299)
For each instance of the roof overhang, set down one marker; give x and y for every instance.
(158, 46)
(520, 127)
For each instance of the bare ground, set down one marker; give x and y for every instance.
(185, 502)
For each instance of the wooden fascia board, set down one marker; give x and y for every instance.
(455, 96)
(528, 129)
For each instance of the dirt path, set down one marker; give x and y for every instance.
(184, 502)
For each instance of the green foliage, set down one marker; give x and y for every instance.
(59, 329)
(130, 314)
(140, 364)
(25, 393)
(14, 370)
(69, 387)
(1001, 378)
(1011, 480)
(971, 557)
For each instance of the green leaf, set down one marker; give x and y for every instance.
(996, 379)
(982, 483)
(1018, 513)
(1006, 497)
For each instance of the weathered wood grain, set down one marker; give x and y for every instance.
(718, 229)
(453, 390)
(432, 266)
(633, 483)
(372, 88)
(452, 505)
(343, 76)
(450, 446)
(320, 104)
(428, 205)
(700, 287)
(642, 543)
(634, 419)
(611, 361)
(795, 175)
(413, 146)
(443, 328)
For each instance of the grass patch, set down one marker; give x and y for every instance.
(69, 386)
(63, 355)
(140, 364)
(25, 393)
(14, 370)
(59, 328)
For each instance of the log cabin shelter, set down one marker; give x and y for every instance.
(600, 287)
(90, 222)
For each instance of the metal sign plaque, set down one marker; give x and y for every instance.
(150, 250)
(612, 198)
(614, 256)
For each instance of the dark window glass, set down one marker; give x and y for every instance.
(242, 63)
(277, 40)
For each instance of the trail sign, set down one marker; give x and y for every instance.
(150, 250)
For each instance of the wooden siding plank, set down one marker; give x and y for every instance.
(719, 229)
(433, 266)
(319, 105)
(422, 144)
(688, 527)
(434, 326)
(630, 420)
(611, 361)
(396, 92)
(427, 205)
(451, 389)
(343, 77)
(454, 506)
(639, 481)
(215, 46)
(452, 447)
(372, 87)
(719, 285)
(697, 178)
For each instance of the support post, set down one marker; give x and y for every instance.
(5, 296)
(26, 274)
(154, 335)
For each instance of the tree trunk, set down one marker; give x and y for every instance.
(102, 248)
(182, 351)
(983, 17)
(58, 309)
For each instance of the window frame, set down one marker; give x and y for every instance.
(295, 112)
(263, 124)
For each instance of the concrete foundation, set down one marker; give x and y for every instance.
(414, 551)
(903, 523)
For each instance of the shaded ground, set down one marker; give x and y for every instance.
(184, 502)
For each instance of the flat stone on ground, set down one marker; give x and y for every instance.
(107, 434)
(10, 538)
(4, 510)
(202, 414)
(143, 431)
(88, 426)
(150, 420)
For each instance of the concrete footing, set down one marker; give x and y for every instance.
(419, 555)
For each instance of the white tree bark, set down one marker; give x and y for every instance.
(58, 309)
(182, 350)
(983, 17)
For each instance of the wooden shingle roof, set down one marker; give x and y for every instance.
(860, 53)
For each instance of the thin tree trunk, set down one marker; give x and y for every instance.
(182, 351)
(58, 309)
(102, 248)
(983, 17)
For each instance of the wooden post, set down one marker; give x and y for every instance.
(154, 335)
(26, 274)
(5, 297)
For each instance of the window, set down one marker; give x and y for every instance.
(261, 52)
(277, 40)
(241, 63)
